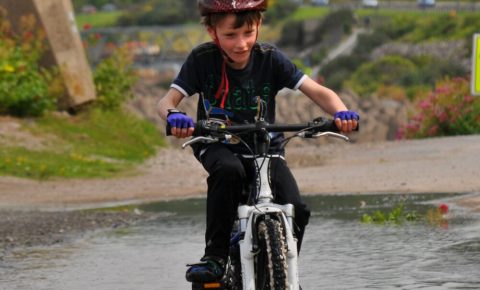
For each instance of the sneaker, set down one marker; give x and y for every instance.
(209, 269)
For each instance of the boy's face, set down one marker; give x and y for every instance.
(236, 42)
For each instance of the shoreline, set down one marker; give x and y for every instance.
(448, 164)
(48, 212)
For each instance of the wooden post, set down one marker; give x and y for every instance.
(66, 49)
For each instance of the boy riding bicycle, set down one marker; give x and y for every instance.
(238, 79)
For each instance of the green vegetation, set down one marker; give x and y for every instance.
(447, 110)
(101, 140)
(307, 13)
(410, 75)
(25, 88)
(161, 13)
(434, 216)
(99, 19)
(113, 79)
(406, 75)
(440, 27)
(278, 10)
(93, 144)
(397, 215)
(438, 85)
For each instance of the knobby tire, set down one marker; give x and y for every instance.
(271, 261)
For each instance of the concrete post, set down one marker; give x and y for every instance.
(66, 49)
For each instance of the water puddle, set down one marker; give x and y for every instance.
(339, 251)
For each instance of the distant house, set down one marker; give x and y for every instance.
(320, 2)
(109, 7)
(426, 3)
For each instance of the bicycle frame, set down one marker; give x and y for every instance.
(264, 205)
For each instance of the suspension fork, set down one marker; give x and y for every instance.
(248, 215)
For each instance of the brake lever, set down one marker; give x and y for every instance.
(199, 139)
(331, 134)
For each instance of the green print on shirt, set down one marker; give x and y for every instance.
(239, 99)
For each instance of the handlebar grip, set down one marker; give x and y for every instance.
(333, 127)
(197, 131)
(325, 125)
(168, 130)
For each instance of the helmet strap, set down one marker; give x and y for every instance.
(224, 84)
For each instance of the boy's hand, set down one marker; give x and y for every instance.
(346, 121)
(181, 124)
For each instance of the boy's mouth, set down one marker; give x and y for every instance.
(240, 53)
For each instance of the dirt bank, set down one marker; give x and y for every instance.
(434, 165)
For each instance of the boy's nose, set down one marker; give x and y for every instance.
(242, 42)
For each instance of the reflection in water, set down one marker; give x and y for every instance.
(339, 251)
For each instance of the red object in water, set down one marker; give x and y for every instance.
(443, 208)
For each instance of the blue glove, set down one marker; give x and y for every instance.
(346, 115)
(179, 120)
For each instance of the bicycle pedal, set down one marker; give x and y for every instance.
(207, 286)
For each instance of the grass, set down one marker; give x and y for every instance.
(99, 19)
(309, 12)
(94, 144)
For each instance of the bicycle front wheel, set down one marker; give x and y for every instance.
(271, 261)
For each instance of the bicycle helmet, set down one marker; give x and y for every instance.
(230, 6)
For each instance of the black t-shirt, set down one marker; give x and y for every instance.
(267, 72)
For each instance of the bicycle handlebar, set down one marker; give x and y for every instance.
(208, 132)
(203, 127)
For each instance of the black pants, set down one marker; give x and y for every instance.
(228, 175)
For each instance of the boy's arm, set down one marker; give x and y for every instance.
(329, 101)
(169, 101)
(324, 97)
(181, 124)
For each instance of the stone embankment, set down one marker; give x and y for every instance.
(455, 51)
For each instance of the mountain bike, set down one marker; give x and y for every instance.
(263, 247)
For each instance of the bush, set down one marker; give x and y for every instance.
(114, 78)
(368, 42)
(398, 26)
(448, 110)
(333, 26)
(279, 10)
(340, 69)
(431, 69)
(433, 28)
(389, 70)
(161, 12)
(24, 86)
(292, 34)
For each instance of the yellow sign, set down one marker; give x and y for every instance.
(476, 65)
